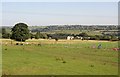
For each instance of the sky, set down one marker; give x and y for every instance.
(59, 13)
(60, 0)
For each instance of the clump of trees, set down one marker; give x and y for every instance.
(104, 37)
(83, 34)
(41, 35)
(109, 37)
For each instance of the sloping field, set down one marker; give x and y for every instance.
(48, 57)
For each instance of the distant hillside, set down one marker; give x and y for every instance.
(66, 28)
(74, 27)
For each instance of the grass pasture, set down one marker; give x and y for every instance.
(73, 57)
(91, 33)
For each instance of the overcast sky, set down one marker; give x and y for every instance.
(59, 13)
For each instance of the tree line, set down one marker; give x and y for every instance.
(20, 32)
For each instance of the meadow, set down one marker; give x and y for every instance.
(62, 57)
(91, 33)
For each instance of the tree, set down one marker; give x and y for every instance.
(37, 35)
(44, 36)
(3, 31)
(32, 36)
(20, 32)
(5, 34)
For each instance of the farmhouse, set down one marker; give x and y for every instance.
(70, 37)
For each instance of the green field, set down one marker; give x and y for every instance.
(91, 33)
(74, 57)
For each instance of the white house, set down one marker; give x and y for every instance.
(70, 37)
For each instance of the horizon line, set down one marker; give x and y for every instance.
(67, 25)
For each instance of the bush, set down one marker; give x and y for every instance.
(6, 35)
(17, 43)
(56, 39)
